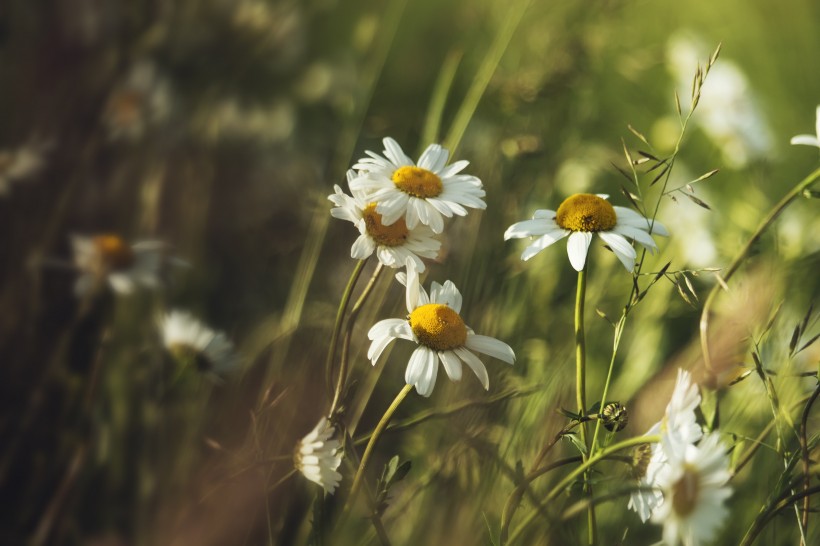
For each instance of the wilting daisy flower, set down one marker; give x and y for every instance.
(579, 217)
(392, 244)
(694, 489)
(679, 427)
(810, 140)
(317, 456)
(141, 100)
(17, 165)
(435, 325)
(192, 342)
(422, 193)
(109, 259)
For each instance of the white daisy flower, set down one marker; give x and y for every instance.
(394, 243)
(109, 259)
(21, 163)
(317, 456)
(579, 217)
(435, 325)
(679, 428)
(694, 485)
(810, 140)
(142, 99)
(191, 341)
(422, 193)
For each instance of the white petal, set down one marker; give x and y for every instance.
(415, 366)
(529, 228)
(476, 365)
(394, 153)
(362, 247)
(490, 346)
(452, 365)
(577, 248)
(808, 140)
(622, 249)
(543, 242)
(637, 234)
(425, 383)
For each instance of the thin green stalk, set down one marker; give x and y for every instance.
(581, 469)
(368, 451)
(351, 320)
(619, 330)
(772, 510)
(337, 325)
(580, 388)
(804, 449)
(787, 199)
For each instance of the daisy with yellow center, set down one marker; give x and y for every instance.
(694, 486)
(435, 325)
(109, 259)
(422, 193)
(191, 342)
(318, 457)
(581, 216)
(393, 244)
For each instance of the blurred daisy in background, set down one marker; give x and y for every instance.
(423, 193)
(141, 100)
(810, 140)
(318, 457)
(109, 259)
(435, 325)
(579, 217)
(193, 343)
(21, 163)
(394, 243)
(694, 486)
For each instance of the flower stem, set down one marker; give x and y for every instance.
(580, 390)
(351, 320)
(337, 326)
(368, 451)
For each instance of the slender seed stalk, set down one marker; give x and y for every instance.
(368, 451)
(337, 326)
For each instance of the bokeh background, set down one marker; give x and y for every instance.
(220, 127)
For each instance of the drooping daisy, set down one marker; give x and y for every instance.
(317, 457)
(581, 216)
(109, 259)
(694, 485)
(192, 342)
(810, 140)
(422, 193)
(393, 243)
(679, 428)
(435, 325)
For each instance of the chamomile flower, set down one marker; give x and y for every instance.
(21, 163)
(318, 457)
(108, 259)
(679, 428)
(141, 100)
(393, 243)
(581, 216)
(435, 325)
(694, 486)
(192, 342)
(420, 193)
(810, 140)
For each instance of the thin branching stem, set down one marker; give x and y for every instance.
(772, 510)
(337, 325)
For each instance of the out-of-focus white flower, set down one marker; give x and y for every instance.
(142, 99)
(581, 216)
(694, 486)
(421, 194)
(435, 325)
(810, 140)
(109, 259)
(727, 112)
(318, 457)
(191, 341)
(393, 244)
(21, 163)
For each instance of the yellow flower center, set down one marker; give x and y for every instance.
(393, 235)
(438, 326)
(685, 492)
(417, 182)
(586, 212)
(115, 254)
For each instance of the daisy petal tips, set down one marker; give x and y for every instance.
(810, 140)
(318, 457)
(422, 193)
(580, 217)
(440, 334)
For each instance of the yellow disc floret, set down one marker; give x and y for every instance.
(417, 182)
(586, 212)
(438, 326)
(114, 253)
(685, 492)
(393, 235)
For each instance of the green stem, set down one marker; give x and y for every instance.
(586, 465)
(744, 253)
(368, 451)
(580, 389)
(619, 330)
(337, 326)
